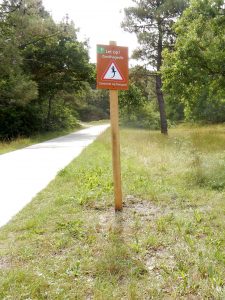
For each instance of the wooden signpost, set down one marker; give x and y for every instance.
(112, 74)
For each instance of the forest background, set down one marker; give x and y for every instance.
(47, 82)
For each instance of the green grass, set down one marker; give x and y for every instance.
(168, 243)
(22, 142)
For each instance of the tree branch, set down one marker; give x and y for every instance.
(23, 46)
(14, 7)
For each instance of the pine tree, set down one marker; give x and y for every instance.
(152, 21)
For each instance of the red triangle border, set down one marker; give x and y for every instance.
(113, 62)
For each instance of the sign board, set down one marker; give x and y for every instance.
(112, 67)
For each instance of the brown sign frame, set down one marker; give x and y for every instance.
(112, 58)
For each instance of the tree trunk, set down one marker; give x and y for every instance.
(160, 99)
(159, 92)
(48, 120)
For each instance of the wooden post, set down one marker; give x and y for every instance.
(114, 116)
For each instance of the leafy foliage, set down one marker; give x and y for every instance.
(136, 110)
(194, 73)
(152, 22)
(42, 67)
(138, 104)
(93, 105)
(18, 120)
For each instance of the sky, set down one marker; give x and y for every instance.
(98, 20)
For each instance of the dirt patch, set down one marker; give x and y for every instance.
(132, 208)
(4, 263)
(142, 208)
(154, 260)
(133, 225)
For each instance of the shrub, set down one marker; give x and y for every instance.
(144, 116)
(17, 120)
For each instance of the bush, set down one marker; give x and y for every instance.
(62, 117)
(144, 116)
(17, 120)
(92, 113)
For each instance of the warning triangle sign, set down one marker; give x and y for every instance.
(112, 73)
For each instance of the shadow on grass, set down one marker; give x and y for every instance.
(116, 263)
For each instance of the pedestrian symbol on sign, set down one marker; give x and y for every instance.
(112, 73)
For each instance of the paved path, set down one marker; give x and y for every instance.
(25, 172)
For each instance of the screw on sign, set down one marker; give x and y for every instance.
(112, 74)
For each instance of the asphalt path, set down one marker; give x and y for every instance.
(25, 172)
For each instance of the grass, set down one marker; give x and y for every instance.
(22, 142)
(168, 243)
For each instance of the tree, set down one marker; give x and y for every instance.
(152, 22)
(138, 104)
(194, 73)
(15, 85)
(143, 79)
(131, 99)
(92, 104)
(17, 89)
(43, 66)
(58, 63)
